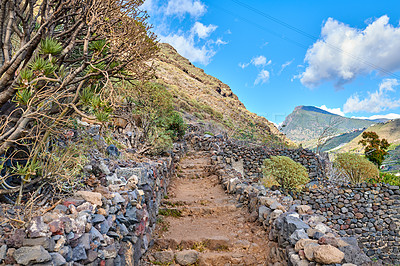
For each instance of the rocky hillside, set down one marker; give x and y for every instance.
(389, 130)
(306, 123)
(204, 100)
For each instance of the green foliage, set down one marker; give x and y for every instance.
(375, 148)
(99, 46)
(175, 126)
(355, 168)
(42, 66)
(26, 75)
(170, 212)
(386, 178)
(23, 96)
(160, 123)
(286, 172)
(87, 95)
(50, 46)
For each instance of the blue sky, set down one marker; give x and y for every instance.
(343, 56)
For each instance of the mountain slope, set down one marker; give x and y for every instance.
(306, 123)
(204, 100)
(389, 130)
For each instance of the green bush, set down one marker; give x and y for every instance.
(286, 172)
(355, 168)
(386, 178)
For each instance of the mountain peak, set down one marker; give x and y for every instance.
(313, 109)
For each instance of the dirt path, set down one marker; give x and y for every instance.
(202, 222)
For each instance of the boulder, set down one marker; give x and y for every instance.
(328, 254)
(163, 257)
(92, 197)
(302, 243)
(353, 254)
(309, 250)
(303, 209)
(186, 257)
(30, 255)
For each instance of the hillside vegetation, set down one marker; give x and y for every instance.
(206, 101)
(389, 130)
(306, 123)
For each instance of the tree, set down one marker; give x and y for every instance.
(375, 148)
(62, 57)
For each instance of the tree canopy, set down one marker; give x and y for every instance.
(375, 148)
(60, 57)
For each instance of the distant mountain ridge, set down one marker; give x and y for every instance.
(306, 123)
(313, 109)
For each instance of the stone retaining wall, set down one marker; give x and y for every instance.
(110, 225)
(250, 157)
(370, 213)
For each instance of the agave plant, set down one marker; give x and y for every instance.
(49, 46)
(42, 66)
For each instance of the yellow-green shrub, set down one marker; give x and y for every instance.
(286, 172)
(355, 168)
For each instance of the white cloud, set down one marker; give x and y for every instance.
(262, 77)
(186, 46)
(336, 111)
(377, 101)
(343, 53)
(202, 30)
(219, 41)
(285, 65)
(259, 60)
(387, 116)
(181, 7)
(256, 61)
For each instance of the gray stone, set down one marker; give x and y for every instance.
(163, 256)
(297, 235)
(98, 218)
(79, 253)
(118, 198)
(296, 261)
(353, 254)
(288, 224)
(85, 240)
(46, 242)
(57, 259)
(110, 251)
(140, 172)
(66, 252)
(276, 205)
(104, 168)
(186, 257)
(115, 180)
(37, 228)
(112, 150)
(29, 255)
(263, 212)
(3, 252)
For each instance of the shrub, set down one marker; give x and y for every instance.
(386, 178)
(286, 172)
(355, 168)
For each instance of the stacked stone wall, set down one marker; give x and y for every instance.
(371, 213)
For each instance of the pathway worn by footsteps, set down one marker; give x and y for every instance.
(200, 224)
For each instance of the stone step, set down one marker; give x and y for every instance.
(205, 201)
(192, 175)
(216, 243)
(199, 210)
(226, 258)
(195, 166)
